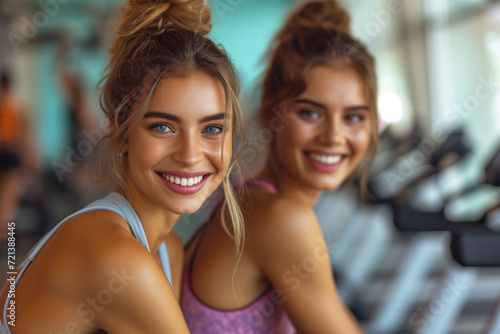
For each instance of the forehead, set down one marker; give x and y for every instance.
(335, 85)
(197, 93)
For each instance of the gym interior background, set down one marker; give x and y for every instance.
(422, 255)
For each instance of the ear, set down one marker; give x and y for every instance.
(124, 148)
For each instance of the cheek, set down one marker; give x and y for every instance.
(295, 135)
(216, 151)
(360, 139)
(146, 152)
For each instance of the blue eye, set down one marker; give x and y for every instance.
(161, 128)
(213, 129)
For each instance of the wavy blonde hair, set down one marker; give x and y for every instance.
(157, 40)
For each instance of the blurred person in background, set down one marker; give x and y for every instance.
(19, 163)
(319, 101)
(81, 121)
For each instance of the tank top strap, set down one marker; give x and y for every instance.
(100, 204)
(131, 217)
(263, 183)
(165, 262)
(128, 212)
(113, 202)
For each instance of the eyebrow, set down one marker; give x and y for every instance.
(177, 119)
(358, 108)
(322, 106)
(211, 118)
(317, 104)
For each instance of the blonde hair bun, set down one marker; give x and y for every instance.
(157, 16)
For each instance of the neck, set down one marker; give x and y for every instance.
(288, 185)
(156, 221)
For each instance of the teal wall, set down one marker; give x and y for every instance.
(245, 30)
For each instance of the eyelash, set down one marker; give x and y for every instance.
(359, 118)
(307, 113)
(154, 126)
(214, 126)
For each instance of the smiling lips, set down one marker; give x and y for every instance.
(325, 159)
(182, 180)
(325, 162)
(184, 183)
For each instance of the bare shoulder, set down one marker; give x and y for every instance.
(282, 225)
(283, 217)
(120, 269)
(97, 243)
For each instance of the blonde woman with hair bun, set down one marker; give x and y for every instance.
(319, 102)
(169, 95)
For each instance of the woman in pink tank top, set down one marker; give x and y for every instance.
(319, 104)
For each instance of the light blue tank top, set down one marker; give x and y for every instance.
(113, 202)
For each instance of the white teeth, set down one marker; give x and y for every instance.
(326, 159)
(185, 182)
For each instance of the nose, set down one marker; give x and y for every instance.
(189, 152)
(333, 132)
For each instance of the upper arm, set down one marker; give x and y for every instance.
(133, 295)
(176, 254)
(294, 258)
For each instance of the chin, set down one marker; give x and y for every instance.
(327, 186)
(184, 212)
(185, 209)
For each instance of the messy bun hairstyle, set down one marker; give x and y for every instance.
(317, 33)
(325, 14)
(157, 39)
